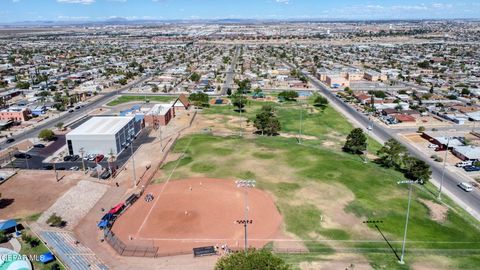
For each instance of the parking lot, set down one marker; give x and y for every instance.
(36, 156)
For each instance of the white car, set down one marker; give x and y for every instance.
(74, 168)
(464, 163)
(432, 146)
(466, 186)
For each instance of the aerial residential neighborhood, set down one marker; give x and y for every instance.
(282, 135)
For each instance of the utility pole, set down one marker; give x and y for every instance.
(245, 184)
(410, 183)
(443, 170)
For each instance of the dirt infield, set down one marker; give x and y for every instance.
(198, 212)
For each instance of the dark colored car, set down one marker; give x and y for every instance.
(39, 145)
(47, 167)
(70, 111)
(75, 158)
(471, 168)
(105, 175)
(61, 169)
(10, 140)
(22, 155)
(67, 158)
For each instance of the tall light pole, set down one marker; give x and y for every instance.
(245, 184)
(301, 124)
(82, 152)
(443, 170)
(410, 183)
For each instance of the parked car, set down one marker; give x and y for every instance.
(99, 158)
(91, 157)
(10, 140)
(61, 169)
(47, 167)
(67, 158)
(75, 158)
(466, 186)
(39, 145)
(22, 155)
(70, 111)
(433, 146)
(464, 163)
(105, 175)
(471, 168)
(74, 168)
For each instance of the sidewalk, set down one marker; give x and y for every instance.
(88, 233)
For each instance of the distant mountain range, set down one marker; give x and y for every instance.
(125, 21)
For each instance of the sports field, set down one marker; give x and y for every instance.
(325, 195)
(198, 212)
(125, 99)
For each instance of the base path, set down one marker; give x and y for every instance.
(197, 212)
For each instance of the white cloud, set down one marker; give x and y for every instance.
(84, 2)
(286, 2)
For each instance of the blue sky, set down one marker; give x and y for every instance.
(94, 10)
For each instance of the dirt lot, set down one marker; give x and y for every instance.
(31, 192)
(198, 212)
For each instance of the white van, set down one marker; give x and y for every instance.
(466, 186)
(464, 163)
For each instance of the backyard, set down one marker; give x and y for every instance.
(125, 99)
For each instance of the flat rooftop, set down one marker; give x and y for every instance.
(99, 125)
(160, 109)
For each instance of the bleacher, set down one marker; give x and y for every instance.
(75, 256)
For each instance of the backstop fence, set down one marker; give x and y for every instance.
(129, 250)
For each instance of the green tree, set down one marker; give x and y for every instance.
(55, 221)
(23, 85)
(3, 237)
(417, 169)
(59, 125)
(195, 77)
(266, 121)
(288, 95)
(46, 135)
(243, 85)
(252, 259)
(356, 142)
(154, 88)
(421, 129)
(239, 101)
(199, 99)
(320, 101)
(392, 154)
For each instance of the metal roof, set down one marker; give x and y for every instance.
(102, 125)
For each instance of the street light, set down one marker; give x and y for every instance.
(410, 183)
(82, 152)
(443, 170)
(245, 184)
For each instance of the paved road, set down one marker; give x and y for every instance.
(470, 201)
(231, 72)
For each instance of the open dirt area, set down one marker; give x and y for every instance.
(437, 211)
(31, 192)
(198, 212)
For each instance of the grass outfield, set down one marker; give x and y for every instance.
(325, 125)
(285, 168)
(125, 99)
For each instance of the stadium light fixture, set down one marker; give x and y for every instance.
(246, 184)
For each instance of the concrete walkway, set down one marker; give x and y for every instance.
(15, 244)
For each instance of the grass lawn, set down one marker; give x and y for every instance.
(125, 99)
(285, 168)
